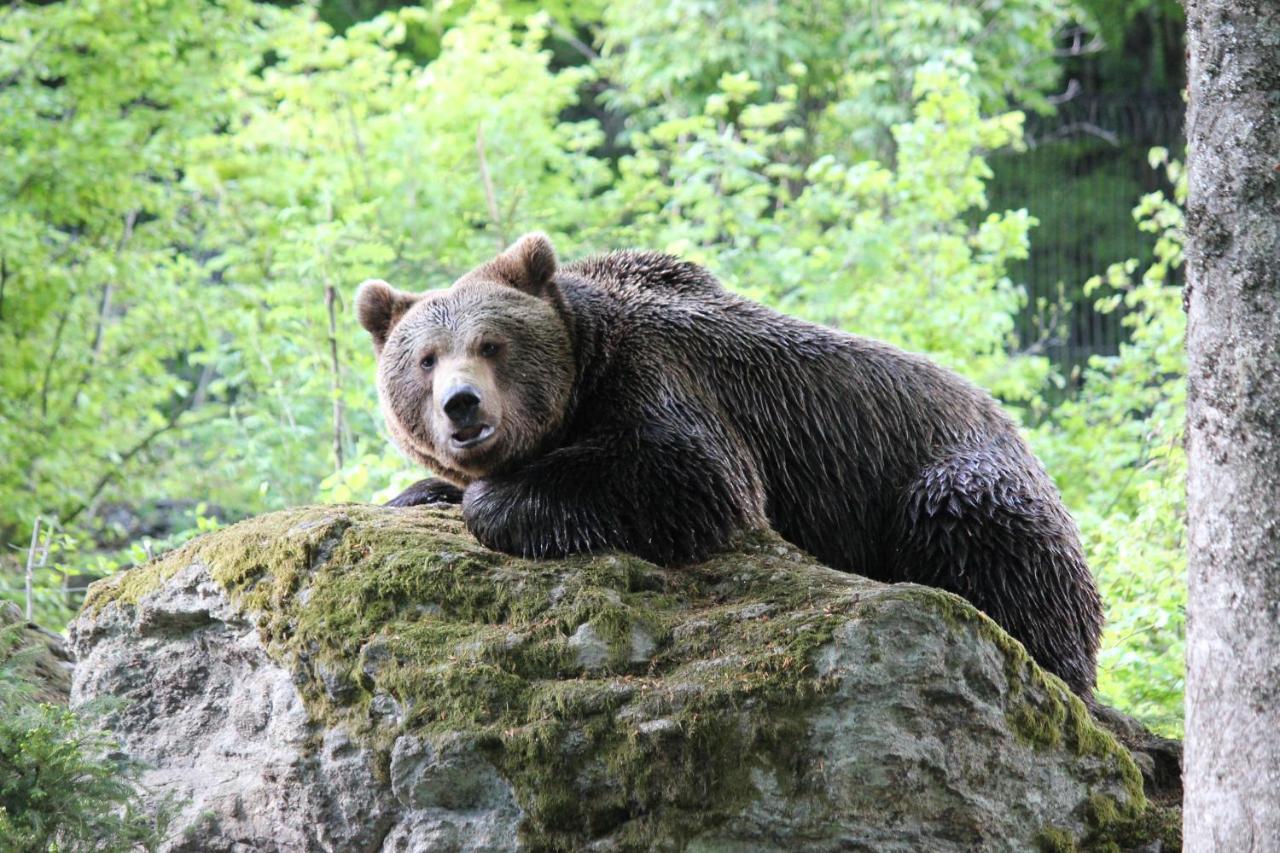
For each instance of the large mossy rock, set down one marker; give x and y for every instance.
(354, 678)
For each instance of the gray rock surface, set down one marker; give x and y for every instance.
(223, 727)
(351, 678)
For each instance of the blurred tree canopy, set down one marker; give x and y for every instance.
(193, 189)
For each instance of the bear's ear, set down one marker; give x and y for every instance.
(528, 264)
(379, 307)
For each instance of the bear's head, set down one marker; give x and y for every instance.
(474, 378)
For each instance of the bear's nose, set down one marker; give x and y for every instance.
(462, 405)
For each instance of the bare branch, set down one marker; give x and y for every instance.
(1079, 47)
(335, 381)
(1087, 127)
(202, 386)
(573, 41)
(53, 359)
(494, 215)
(361, 154)
(1073, 89)
(106, 479)
(104, 311)
(31, 562)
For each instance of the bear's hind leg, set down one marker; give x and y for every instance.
(987, 524)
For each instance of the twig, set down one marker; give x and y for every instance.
(360, 151)
(1133, 473)
(516, 197)
(202, 385)
(53, 359)
(66, 589)
(1110, 137)
(31, 559)
(330, 298)
(489, 194)
(44, 559)
(25, 64)
(104, 310)
(576, 43)
(1079, 47)
(1073, 89)
(4, 277)
(128, 455)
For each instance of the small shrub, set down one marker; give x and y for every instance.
(63, 784)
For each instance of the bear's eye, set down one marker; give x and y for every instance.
(489, 349)
(428, 361)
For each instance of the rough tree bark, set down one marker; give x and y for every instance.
(1232, 769)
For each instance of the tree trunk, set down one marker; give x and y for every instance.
(1232, 770)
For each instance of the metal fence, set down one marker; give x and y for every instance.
(1085, 169)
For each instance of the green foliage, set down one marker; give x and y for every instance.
(853, 61)
(1143, 41)
(491, 662)
(1116, 450)
(350, 162)
(1084, 190)
(193, 190)
(99, 260)
(63, 785)
(865, 245)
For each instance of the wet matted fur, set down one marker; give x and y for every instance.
(629, 401)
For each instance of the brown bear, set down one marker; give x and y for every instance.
(629, 401)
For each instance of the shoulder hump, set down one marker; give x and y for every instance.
(648, 271)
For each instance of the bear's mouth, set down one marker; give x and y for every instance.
(472, 436)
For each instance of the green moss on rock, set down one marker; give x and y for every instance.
(1046, 714)
(398, 623)
(1055, 840)
(34, 655)
(363, 603)
(1043, 711)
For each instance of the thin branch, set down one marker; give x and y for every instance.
(1079, 47)
(4, 277)
(53, 359)
(202, 386)
(1133, 473)
(26, 63)
(31, 562)
(1110, 137)
(1073, 89)
(335, 379)
(145, 442)
(489, 194)
(104, 310)
(170, 424)
(573, 41)
(993, 21)
(360, 150)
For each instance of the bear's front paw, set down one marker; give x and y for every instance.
(489, 519)
(476, 509)
(505, 519)
(430, 491)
